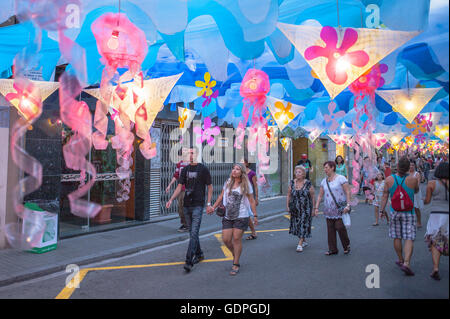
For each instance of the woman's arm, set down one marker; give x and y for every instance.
(253, 208)
(430, 189)
(218, 201)
(288, 197)
(346, 188)
(319, 199)
(312, 193)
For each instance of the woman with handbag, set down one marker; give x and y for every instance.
(300, 202)
(237, 197)
(336, 203)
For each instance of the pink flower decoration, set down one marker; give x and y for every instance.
(380, 140)
(208, 133)
(337, 55)
(208, 99)
(332, 117)
(420, 139)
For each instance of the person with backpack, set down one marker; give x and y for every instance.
(401, 187)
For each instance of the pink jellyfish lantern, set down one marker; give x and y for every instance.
(254, 89)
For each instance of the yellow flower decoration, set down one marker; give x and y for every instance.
(396, 147)
(419, 127)
(183, 118)
(390, 150)
(409, 140)
(442, 132)
(284, 115)
(206, 86)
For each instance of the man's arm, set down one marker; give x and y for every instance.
(385, 197)
(174, 195)
(255, 186)
(170, 184)
(210, 191)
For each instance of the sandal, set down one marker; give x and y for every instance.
(435, 275)
(329, 253)
(407, 270)
(251, 237)
(234, 272)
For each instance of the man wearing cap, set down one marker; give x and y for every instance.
(305, 162)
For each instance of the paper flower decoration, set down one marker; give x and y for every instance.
(208, 133)
(285, 142)
(420, 138)
(341, 139)
(206, 86)
(208, 99)
(332, 117)
(339, 58)
(380, 140)
(390, 150)
(419, 126)
(442, 132)
(185, 117)
(283, 112)
(409, 140)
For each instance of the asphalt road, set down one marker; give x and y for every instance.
(270, 268)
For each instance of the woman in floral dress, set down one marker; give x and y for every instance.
(300, 202)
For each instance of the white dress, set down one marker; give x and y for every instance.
(418, 201)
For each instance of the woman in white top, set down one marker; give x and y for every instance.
(334, 189)
(436, 205)
(239, 202)
(418, 202)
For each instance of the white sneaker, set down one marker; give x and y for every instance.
(305, 244)
(299, 248)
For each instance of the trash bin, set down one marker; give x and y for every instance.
(50, 237)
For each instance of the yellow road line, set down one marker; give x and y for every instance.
(67, 292)
(224, 248)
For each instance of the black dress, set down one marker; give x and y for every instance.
(300, 208)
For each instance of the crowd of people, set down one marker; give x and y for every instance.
(385, 183)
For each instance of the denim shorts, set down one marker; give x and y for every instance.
(239, 223)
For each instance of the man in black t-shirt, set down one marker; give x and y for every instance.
(194, 178)
(305, 162)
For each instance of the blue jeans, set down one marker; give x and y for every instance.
(193, 217)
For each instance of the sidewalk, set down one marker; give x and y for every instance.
(16, 266)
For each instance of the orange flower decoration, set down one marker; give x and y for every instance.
(418, 126)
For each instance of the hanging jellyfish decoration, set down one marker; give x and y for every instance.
(254, 88)
(363, 90)
(28, 101)
(121, 45)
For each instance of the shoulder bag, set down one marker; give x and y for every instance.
(340, 205)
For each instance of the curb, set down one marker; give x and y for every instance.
(114, 253)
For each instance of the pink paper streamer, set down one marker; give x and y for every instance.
(77, 116)
(29, 233)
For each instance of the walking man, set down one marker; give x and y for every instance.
(194, 178)
(402, 187)
(306, 163)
